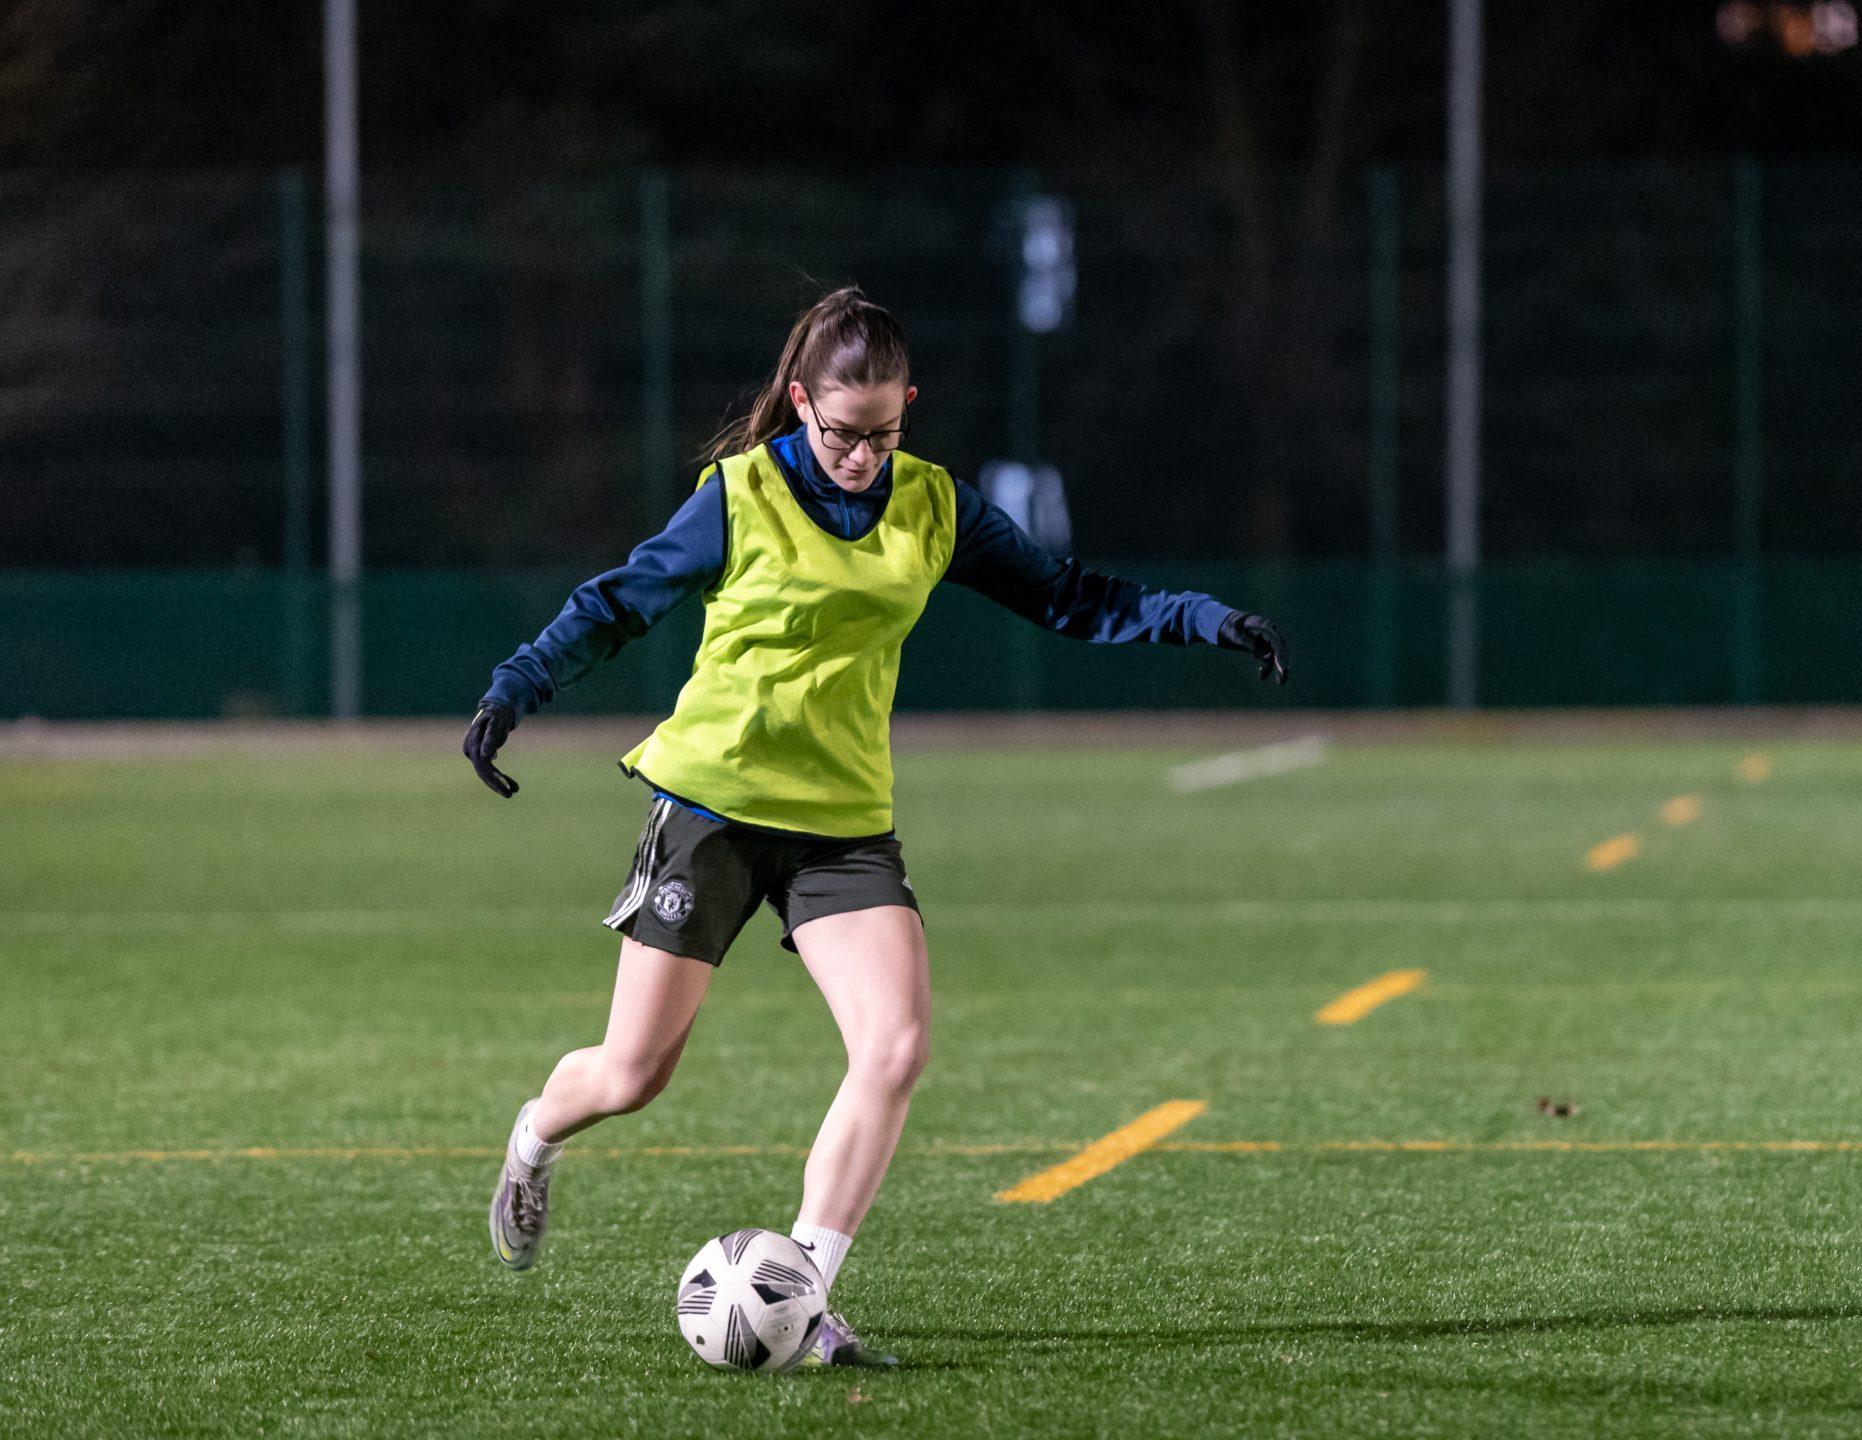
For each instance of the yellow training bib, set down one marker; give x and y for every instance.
(786, 721)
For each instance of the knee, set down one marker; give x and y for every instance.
(626, 1086)
(895, 1060)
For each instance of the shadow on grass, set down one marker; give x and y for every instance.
(825, 1374)
(1382, 1330)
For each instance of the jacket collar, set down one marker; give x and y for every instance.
(798, 457)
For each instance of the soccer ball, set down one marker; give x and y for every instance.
(751, 1300)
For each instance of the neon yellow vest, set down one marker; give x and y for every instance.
(786, 721)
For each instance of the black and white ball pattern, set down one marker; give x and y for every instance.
(751, 1300)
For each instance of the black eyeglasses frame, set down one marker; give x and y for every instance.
(831, 433)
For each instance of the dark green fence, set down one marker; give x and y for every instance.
(161, 643)
(1246, 397)
(1248, 369)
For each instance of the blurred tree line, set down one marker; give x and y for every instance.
(590, 84)
(1267, 112)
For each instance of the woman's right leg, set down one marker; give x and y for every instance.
(656, 998)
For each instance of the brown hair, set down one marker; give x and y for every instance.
(842, 340)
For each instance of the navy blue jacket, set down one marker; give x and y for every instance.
(992, 557)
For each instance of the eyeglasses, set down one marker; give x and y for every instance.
(839, 437)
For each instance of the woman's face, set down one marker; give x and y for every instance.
(834, 413)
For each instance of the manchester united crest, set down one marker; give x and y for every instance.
(672, 902)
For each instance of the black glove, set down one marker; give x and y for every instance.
(489, 729)
(1259, 636)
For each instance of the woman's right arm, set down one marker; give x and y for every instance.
(608, 611)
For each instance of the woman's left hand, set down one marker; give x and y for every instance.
(1260, 637)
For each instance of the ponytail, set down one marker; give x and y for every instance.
(842, 340)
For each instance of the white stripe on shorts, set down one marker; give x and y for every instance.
(636, 892)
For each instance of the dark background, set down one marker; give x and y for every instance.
(474, 87)
(1209, 399)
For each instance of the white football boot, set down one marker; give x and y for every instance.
(520, 1207)
(836, 1344)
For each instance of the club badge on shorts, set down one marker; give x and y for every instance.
(672, 902)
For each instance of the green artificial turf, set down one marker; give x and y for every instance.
(319, 951)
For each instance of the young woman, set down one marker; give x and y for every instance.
(815, 541)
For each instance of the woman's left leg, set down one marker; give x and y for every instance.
(874, 970)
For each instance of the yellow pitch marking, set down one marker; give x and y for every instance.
(1354, 1005)
(257, 1152)
(480, 1152)
(1027, 1147)
(1755, 769)
(1103, 1154)
(1505, 1147)
(1608, 854)
(1682, 810)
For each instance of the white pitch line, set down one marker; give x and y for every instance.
(1256, 764)
(1364, 911)
(359, 919)
(1342, 910)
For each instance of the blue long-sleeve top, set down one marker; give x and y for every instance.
(993, 556)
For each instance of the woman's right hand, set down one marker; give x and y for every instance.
(489, 729)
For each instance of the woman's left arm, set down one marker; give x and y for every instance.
(995, 558)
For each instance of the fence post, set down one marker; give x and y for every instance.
(342, 302)
(658, 462)
(1748, 424)
(1462, 423)
(1385, 230)
(295, 402)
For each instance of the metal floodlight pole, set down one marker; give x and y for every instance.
(1462, 450)
(345, 368)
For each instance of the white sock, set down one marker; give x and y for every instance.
(827, 1248)
(535, 1152)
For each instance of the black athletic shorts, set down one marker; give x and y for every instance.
(696, 881)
